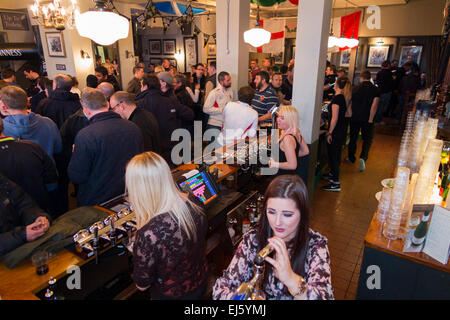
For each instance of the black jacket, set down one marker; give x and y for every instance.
(384, 81)
(69, 131)
(27, 164)
(36, 99)
(148, 124)
(111, 79)
(169, 112)
(134, 86)
(61, 105)
(17, 210)
(102, 151)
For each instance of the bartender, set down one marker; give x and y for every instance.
(21, 220)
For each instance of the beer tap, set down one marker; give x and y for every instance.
(95, 244)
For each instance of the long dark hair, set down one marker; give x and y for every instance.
(288, 187)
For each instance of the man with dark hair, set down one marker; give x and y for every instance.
(330, 80)
(102, 151)
(32, 74)
(211, 81)
(27, 164)
(409, 84)
(341, 72)
(166, 65)
(216, 101)
(91, 81)
(184, 98)
(254, 69)
(21, 220)
(363, 108)
(239, 119)
(62, 103)
(8, 75)
(168, 112)
(102, 75)
(124, 105)
(19, 123)
(265, 98)
(134, 86)
(286, 88)
(384, 82)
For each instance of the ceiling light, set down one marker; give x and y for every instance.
(257, 36)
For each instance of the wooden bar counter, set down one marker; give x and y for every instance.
(402, 275)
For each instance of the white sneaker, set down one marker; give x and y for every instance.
(362, 165)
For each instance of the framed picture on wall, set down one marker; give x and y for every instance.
(377, 54)
(278, 57)
(169, 46)
(410, 53)
(208, 60)
(211, 49)
(14, 21)
(190, 52)
(55, 44)
(155, 46)
(345, 58)
(156, 61)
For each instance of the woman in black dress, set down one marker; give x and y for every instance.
(292, 146)
(337, 131)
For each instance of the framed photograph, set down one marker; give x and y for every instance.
(208, 60)
(292, 52)
(377, 54)
(173, 62)
(55, 44)
(345, 58)
(211, 49)
(155, 46)
(190, 52)
(169, 46)
(279, 57)
(410, 53)
(156, 62)
(14, 21)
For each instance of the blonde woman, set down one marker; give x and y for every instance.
(291, 143)
(159, 69)
(169, 250)
(337, 131)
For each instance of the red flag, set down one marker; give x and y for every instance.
(216, 104)
(350, 27)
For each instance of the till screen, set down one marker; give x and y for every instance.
(200, 187)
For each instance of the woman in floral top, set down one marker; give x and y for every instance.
(300, 266)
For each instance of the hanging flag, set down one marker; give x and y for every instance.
(276, 44)
(205, 39)
(350, 26)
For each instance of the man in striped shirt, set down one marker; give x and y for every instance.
(265, 98)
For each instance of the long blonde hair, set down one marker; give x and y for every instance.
(290, 115)
(344, 84)
(152, 191)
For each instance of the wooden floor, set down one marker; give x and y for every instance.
(344, 217)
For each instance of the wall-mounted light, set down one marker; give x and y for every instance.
(128, 54)
(379, 42)
(85, 54)
(178, 55)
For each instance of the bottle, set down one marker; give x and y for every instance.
(421, 230)
(245, 224)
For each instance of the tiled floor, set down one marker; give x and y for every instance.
(344, 217)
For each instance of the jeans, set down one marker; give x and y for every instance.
(334, 150)
(383, 106)
(367, 137)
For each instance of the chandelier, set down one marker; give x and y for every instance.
(101, 24)
(54, 15)
(257, 36)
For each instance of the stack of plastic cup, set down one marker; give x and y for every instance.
(428, 172)
(403, 153)
(408, 205)
(391, 228)
(419, 134)
(383, 205)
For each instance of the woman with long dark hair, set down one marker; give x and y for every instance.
(300, 266)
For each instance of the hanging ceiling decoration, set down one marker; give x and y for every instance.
(101, 24)
(54, 14)
(257, 36)
(270, 3)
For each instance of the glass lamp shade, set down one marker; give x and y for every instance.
(347, 42)
(103, 27)
(333, 42)
(257, 37)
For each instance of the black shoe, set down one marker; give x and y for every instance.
(347, 159)
(328, 177)
(334, 187)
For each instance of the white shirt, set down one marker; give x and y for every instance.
(215, 103)
(240, 121)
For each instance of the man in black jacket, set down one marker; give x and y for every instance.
(167, 111)
(20, 219)
(365, 99)
(124, 105)
(102, 150)
(28, 165)
(102, 75)
(134, 86)
(385, 84)
(62, 103)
